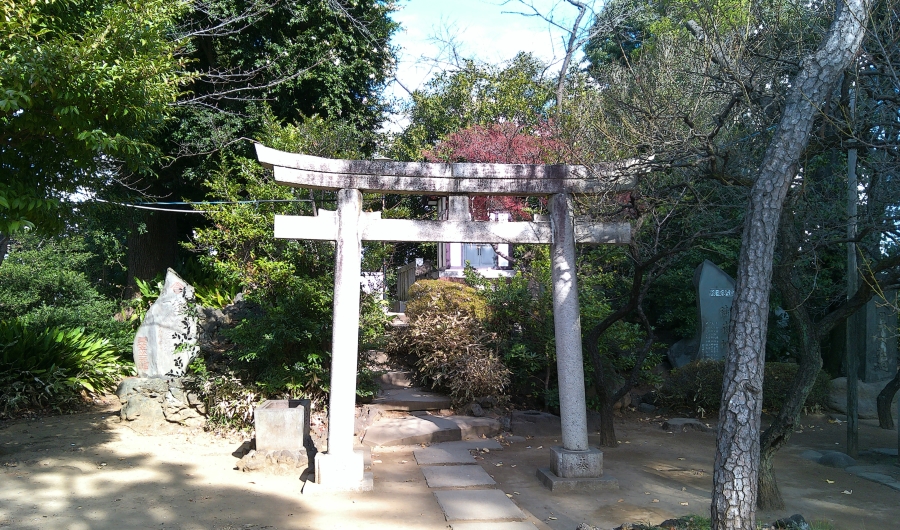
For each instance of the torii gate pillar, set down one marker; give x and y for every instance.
(574, 465)
(342, 468)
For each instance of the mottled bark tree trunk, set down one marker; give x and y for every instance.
(883, 402)
(735, 476)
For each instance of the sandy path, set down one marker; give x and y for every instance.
(90, 471)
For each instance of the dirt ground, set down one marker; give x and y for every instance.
(91, 471)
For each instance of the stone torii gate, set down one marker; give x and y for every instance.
(341, 468)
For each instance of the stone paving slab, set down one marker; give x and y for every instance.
(477, 505)
(428, 429)
(484, 443)
(509, 525)
(441, 454)
(410, 399)
(456, 476)
(411, 430)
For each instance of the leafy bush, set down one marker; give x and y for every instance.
(53, 367)
(43, 283)
(429, 297)
(453, 354)
(698, 386)
(447, 343)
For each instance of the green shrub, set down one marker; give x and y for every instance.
(447, 343)
(51, 368)
(44, 284)
(698, 386)
(428, 297)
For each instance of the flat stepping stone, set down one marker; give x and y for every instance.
(477, 505)
(878, 477)
(409, 399)
(442, 454)
(394, 380)
(509, 525)
(453, 452)
(427, 429)
(885, 451)
(456, 476)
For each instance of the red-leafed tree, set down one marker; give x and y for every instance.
(500, 143)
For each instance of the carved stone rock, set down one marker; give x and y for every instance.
(166, 341)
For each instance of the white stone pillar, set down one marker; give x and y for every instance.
(567, 323)
(340, 468)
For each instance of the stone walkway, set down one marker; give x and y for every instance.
(466, 493)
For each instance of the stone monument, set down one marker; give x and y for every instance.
(166, 341)
(879, 358)
(715, 292)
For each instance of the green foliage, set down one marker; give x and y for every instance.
(44, 283)
(698, 386)
(475, 94)
(447, 341)
(453, 353)
(51, 368)
(520, 313)
(82, 82)
(429, 297)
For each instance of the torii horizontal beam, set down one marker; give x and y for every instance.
(379, 176)
(373, 228)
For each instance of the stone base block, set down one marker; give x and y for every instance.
(282, 424)
(340, 472)
(366, 484)
(576, 464)
(556, 483)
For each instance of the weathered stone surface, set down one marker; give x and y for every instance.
(166, 342)
(154, 405)
(879, 360)
(477, 505)
(868, 394)
(576, 464)
(282, 424)
(456, 476)
(435, 178)
(684, 425)
(473, 409)
(281, 462)
(836, 459)
(715, 292)
(534, 423)
(794, 522)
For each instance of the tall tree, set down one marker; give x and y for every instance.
(84, 85)
(735, 476)
(252, 61)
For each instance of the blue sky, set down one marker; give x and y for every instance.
(486, 30)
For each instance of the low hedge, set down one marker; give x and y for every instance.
(698, 386)
(427, 297)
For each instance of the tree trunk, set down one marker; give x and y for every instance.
(4, 246)
(735, 475)
(152, 242)
(607, 425)
(885, 419)
(769, 495)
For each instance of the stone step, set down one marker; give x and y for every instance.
(410, 399)
(428, 429)
(391, 380)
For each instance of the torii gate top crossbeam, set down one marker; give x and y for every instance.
(378, 176)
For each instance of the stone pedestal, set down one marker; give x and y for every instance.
(575, 471)
(576, 464)
(341, 472)
(282, 424)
